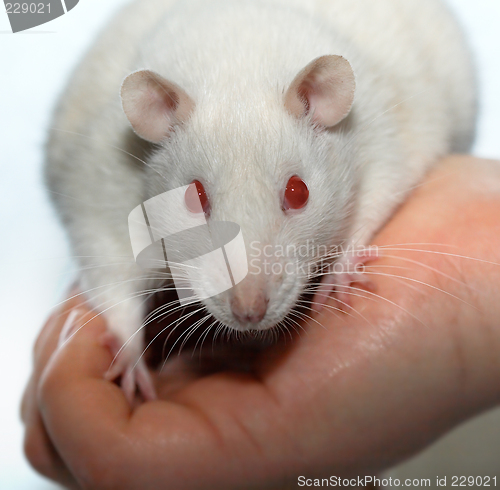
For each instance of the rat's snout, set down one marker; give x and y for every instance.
(249, 301)
(249, 309)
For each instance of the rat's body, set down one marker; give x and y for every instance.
(238, 125)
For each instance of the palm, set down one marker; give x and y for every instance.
(350, 394)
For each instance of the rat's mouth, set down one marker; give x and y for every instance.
(193, 333)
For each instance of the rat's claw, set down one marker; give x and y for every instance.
(323, 292)
(137, 378)
(134, 374)
(347, 269)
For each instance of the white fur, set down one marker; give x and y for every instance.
(415, 101)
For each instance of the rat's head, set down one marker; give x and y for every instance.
(270, 161)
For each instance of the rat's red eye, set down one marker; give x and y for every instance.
(196, 196)
(296, 194)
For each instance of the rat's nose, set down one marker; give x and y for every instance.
(249, 300)
(249, 308)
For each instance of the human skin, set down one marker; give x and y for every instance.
(352, 396)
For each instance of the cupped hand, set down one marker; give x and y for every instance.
(354, 393)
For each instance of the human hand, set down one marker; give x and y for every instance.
(349, 397)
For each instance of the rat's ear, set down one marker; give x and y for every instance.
(325, 89)
(153, 105)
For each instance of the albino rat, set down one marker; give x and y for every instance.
(305, 122)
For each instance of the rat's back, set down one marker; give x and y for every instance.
(404, 41)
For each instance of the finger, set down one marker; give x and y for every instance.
(38, 448)
(45, 345)
(42, 454)
(82, 411)
(48, 338)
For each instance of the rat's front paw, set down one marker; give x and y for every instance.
(130, 368)
(347, 269)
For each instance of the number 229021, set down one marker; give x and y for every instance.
(470, 481)
(24, 8)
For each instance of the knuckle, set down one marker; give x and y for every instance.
(96, 474)
(37, 453)
(47, 384)
(42, 336)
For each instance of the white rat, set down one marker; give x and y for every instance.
(304, 122)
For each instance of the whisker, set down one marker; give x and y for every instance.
(424, 284)
(378, 296)
(203, 336)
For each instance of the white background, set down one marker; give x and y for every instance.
(34, 264)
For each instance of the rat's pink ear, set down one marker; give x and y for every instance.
(153, 105)
(325, 89)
